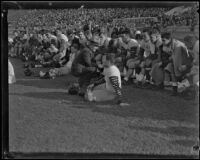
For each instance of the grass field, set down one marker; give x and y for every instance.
(44, 118)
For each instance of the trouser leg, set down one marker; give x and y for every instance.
(85, 79)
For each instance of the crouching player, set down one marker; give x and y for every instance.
(109, 87)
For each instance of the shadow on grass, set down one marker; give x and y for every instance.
(157, 108)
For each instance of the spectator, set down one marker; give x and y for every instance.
(157, 71)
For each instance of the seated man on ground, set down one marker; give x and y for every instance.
(149, 55)
(159, 69)
(181, 61)
(156, 71)
(132, 48)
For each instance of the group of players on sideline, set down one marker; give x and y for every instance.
(104, 62)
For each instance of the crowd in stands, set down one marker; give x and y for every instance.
(103, 16)
(188, 18)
